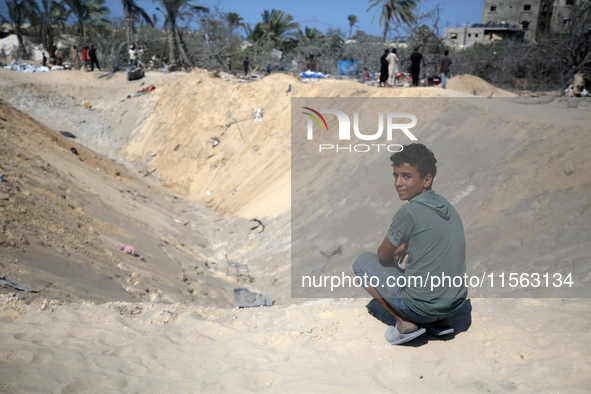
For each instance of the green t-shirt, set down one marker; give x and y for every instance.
(436, 254)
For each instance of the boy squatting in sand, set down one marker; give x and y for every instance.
(429, 230)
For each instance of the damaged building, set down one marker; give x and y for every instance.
(513, 19)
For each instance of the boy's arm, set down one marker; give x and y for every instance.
(388, 253)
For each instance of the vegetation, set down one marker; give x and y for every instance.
(189, 35)
(18, 13)
(395, 11)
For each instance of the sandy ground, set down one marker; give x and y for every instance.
(180, 172)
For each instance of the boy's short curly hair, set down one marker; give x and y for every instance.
(419, 155)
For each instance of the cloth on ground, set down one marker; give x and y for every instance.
(128, 249)
(147, 90)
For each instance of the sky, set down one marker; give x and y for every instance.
(321, 14)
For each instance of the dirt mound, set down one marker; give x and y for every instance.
(476, 86)
(65, 211)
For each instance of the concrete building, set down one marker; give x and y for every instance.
(562, 14)
(531, 16)
(513, 19)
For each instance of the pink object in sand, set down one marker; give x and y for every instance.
(129, 249)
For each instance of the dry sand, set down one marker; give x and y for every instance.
(147, 173)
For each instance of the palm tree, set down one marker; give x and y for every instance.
(176, 10)
(309, 36)
(18, 12)
(278, 25)
(233, 20)
(87, 13)
(353, 20)
(255, 34)
(132, 11)
(48, 14)
(395, 11)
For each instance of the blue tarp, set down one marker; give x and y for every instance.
(347, 67)
(311, 74)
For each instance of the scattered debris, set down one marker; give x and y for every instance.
(238, 267)
(136, 73)
(338, 250)
(247, 299)
(572, 102)
(207, 193)
(146, 90)
(328, 255)
(67, 134)
(25, 68)
(148, 173)
(216, 141)
(568, 169)
(260, 224)
(289, 90)
(259, 115)
(1, 178)
(11, 284)
(74, 151)
(129, 250)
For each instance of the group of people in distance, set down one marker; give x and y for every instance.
(389, 67)
(89, 58)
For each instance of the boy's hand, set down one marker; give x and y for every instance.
(400, 253)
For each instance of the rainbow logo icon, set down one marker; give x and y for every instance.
(315, 118)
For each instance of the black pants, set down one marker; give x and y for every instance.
(414, 72)
(92, 63)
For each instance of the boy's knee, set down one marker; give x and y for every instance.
(360, 265)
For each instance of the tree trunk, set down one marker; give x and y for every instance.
(129, 33)
(174, 49)
(49, 41)
(183, 50)
(81, 33)
(22, 51)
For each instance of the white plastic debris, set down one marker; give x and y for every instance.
(259, 115)
(25, 67)
(207, 193)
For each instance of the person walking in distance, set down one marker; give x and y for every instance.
(444, 68)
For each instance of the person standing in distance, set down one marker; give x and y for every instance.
(415, 67)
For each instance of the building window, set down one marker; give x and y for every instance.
(525, 25)
(493, 8)
(570, 2)
(542, 26)
(469, 35)
(454, 36)
(476, 35)
(545, 7)
(527, 7)
(566, 22)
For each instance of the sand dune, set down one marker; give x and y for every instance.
(147, 174)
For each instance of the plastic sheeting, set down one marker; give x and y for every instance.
(347, 67)
(311, 74)
(26, 68)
